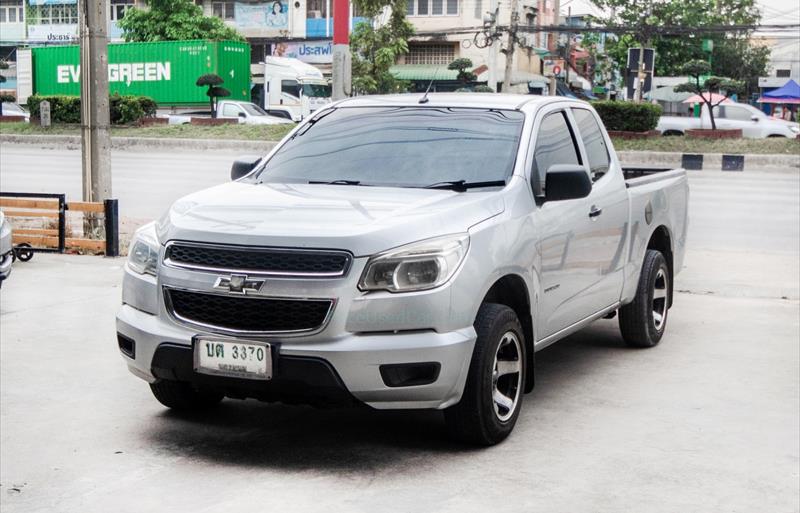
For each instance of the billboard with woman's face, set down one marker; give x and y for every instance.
(272, 15)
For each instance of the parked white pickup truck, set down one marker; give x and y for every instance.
(753, 123)
(246, 113)
(404, 252)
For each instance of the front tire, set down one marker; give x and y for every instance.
(643, 321)
(180, 395)
(492, 397)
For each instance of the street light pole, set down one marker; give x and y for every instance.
(95, 116)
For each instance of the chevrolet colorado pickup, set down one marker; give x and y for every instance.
(404, 252)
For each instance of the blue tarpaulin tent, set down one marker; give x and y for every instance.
(789, 93)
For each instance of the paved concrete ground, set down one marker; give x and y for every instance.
(707, 421)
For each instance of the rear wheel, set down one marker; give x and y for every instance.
(179, 395)
(492, 396)
(643, 321)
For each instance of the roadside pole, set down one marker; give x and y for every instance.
(95, 116)
(492, 58)
(341, 50)
(512, 36)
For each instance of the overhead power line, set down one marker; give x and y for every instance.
(667, 30)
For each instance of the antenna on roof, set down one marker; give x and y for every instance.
(424, 98)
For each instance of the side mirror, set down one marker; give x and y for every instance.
(243, 165)
(242, 115)
(567, 181)
(755, 118)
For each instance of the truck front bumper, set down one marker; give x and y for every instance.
(311, 371)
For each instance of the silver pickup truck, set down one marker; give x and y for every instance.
(404, 252)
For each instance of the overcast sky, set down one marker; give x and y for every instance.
(773, 11)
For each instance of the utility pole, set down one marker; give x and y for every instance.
(95, 116)
(341, 50)
(568, 49)
(492, 60)
(512, 42)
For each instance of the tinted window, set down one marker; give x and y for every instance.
(554, 145)
(592, 137)
(400, 146)
(290, 87)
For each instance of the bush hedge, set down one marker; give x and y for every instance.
(628, 116)
(67, 109)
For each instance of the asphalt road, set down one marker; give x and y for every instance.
(707, 421)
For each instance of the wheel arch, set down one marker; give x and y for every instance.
(512, 291)
(661, 240)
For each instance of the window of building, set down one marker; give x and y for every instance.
(593, 142)
(53, 14)
(118, 7)
(783, 73)
(430, 54)
(11, 11)
(316, 9)
(432, 8)
(555, 144)
(224, 10)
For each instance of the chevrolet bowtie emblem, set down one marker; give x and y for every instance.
(238, 284)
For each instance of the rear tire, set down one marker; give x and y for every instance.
(493, 393)
(180, 395)
(643, 321)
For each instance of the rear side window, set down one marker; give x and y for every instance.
(555, 144)
(593, 141)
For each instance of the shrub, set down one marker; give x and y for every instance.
(628, 116)
(67, 109)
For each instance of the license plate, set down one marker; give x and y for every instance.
(233, 358)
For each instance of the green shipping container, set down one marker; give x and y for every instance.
(165, 71)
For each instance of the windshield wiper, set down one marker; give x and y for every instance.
(463, 185)
(335, 182)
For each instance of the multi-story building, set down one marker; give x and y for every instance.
(449, 29)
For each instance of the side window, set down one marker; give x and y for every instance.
(736, 113)
(230, 110)
(593, 141)
(555, 144)
(290, 87)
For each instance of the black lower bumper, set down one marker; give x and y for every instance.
(296, 380)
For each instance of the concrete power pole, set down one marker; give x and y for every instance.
(95, 115)
(492, 60)
(341, 86)
(512, 42)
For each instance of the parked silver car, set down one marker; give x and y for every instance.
(404, 252)
(6, 248)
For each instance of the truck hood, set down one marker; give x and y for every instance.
(362, 220)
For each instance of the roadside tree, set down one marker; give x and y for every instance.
(461, 65)
(375, 46)
(214, 83)
(712, 91)
(174, 20)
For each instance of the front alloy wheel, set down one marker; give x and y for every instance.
(492, 397)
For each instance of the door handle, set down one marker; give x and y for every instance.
(595, 211)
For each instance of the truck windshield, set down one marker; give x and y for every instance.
(399, 147)
(317, 90)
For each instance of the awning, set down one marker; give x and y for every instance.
(423, 72)
(788, 93)
(52, 2)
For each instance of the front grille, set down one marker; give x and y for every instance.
(248, 314)
(269, 261)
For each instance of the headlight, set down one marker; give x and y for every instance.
(419, 266)
(143, 253)
(795, 129)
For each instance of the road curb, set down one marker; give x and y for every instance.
(709, 161)
(126, 143)
(691, 161)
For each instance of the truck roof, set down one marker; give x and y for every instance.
(294, 65)
(481, 100)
